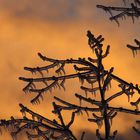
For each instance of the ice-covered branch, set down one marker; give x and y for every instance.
(125, 110)
(136, 129)
(38, 122)
(134, 49)
(133, 11)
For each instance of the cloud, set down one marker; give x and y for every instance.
(46, 10)
(52, 10)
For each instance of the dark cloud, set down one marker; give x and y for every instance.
(52, 10)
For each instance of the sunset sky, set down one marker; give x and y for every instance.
(57, 29)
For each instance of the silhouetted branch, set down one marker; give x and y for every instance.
(82, 137)
(89, 100)
(134, 49)
(136, 129)
(133, 11)
(38, 122)
(136, 103)
(114, 96)
(124, 110)
(69, 106)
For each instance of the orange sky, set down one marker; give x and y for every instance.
(57, 29)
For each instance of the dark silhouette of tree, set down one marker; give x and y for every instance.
(91, 72)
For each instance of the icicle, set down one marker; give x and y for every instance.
(33, 117)
(13, 136)
(58, 65)
(29, 91)
(80, 100)
(117, 22)
(137, 108)
(87, 113)
(102, 80)
(136, 52)
(92, 85)
(39, 119)
(107, 87)
(59, 73)
(94, 93)
(99, 123)
(133, 53)
(102, 112)
(23, 113)
(110, 84)
(50, 90)
(81, 113)
(54, 86)
(32, 103)
(133, 18)
(63, 70)
(34, 72)
(30, 138)
(128, 98)
(57, 84)
(62, 84)
(78, 112)
(81, 80)
(124, 17)
(9, 129)
(41, 96)
(111, 120)
(86, 93)
(0, 131)
(124, 2)
(41, 73)
(28, 135)
(45, 82)
(25, 91)
(28, 126)
(47, 71)
(35, 101)
(12, 126)
(109, 11)
(38, 101)
(132, 94)
(33, 85)
(63, 87)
